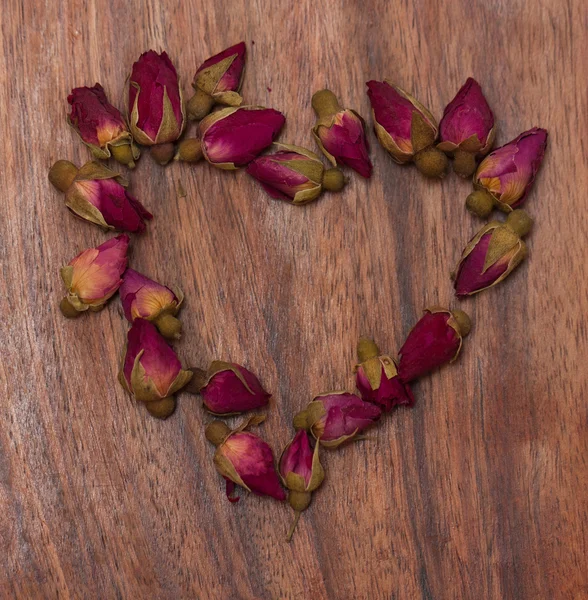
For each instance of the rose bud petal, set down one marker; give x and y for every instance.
(228, 388)
(301, 472)
(156, 107)
(377, 378)
(340, 134)
(98, 195)
(405, 128)
(467, 128)
(151, 371)
(218, 81)
(336, 417)
(101, 126)
(294, 174)
(506, 175)
(244, 459)
(94, 276)
(492, 254)
(433, 341)
(143, 298)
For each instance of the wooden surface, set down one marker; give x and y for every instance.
(478, 492)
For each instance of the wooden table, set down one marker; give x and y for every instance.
(479, 491)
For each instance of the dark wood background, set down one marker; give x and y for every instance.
(478, 492)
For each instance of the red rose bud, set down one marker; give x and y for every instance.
(156, 107)
(294, 174)
(336, 417)
(151, 371)
(505, 176)
(98, 195)
(340, 134)
(143, 298)
(467, 128)
(101, 126)
(244, 459)
(228, 388)
(377, 378)
(433, 341)
(218, 81)
(405, 128)
(301, 472)
(94, 276)
(492, 254)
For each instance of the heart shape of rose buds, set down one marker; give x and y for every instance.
(233, 136)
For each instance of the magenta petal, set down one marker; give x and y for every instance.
(277, 179)
(231, 80)
(346, 414)
(230, 490)
(119, 208)
(392, 392)
(297, 458)
(391, 110)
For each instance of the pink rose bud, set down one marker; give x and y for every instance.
(218, 81)
(294, 174)
(156, 107)
(228, 388)
(94, 276)
(467, 129)
(143, 298)
(405, 128)
(244, 459)
(340, 134)
(377, 378)
(492, 254)
(505, 176)
(336, 417)
(98, 195)
(433, 341)
(301, 472)
(101, 126)
(151, 371)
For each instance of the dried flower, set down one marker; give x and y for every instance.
(405, 128)
(98, 195)
(492, 254)
(340, 134)
(505, 176)
(94, 276)
(244, 459)
(336, 417)
(294, 174)
(301, 472)
(377, 378)
(433, 341)
(228, 388)
(101, 126)
(143, 298)
(151, 370)
(467, 128)
(218, 81)
(156, 107)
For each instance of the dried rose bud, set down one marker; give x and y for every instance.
(492, 254)
(151, 371)
(101, 126)
(94, 276)
(143, 298)
(405, 128)
(156, 107)
(218, 81)
(244, 459)
(377, 378)
(228, 388)
(506, 175)
(433, 341)
(294, 174)
(340, 134)
(301, 472)
(336, 417)
(467, 129)
(98, 195)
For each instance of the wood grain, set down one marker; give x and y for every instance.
(478, 492)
